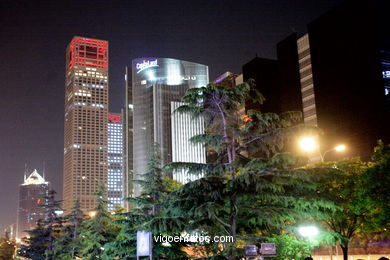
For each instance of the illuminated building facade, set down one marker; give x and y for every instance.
(85, 128)
(32, 197)
(115, 160)
(157, 85)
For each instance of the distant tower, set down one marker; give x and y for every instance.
(115, 160)
(85, 128)
(32, 195)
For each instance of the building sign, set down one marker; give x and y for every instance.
(114, 118)
(146, 64)
(144, 243)
(268, 249)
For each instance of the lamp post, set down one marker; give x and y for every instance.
(309, 144)
(338, 148)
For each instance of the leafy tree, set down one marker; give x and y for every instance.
(99, 229)
(289, 247)
(374, 189)
(248, 188)
(340, 182)
(7, 247)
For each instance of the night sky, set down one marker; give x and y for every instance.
(222, 34)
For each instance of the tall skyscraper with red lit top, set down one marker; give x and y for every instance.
(85, 127)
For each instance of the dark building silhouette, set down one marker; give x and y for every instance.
(265, 74)
(337, 74)
(348, 47)
(288, 75)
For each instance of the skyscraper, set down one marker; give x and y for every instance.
(128, 137)
(157, 85)
(32, 197)
(115, 160)
(85, 128)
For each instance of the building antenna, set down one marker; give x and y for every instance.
(25, 171)
(43, 170)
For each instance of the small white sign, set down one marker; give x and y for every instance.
(144, 243)
(268, 249)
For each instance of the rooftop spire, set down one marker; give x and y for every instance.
(34, 179)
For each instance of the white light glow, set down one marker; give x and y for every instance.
(340, 148)
(308, 144)
(308, 231)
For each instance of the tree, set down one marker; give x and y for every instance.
(68, 244)
(7, 247)
(35, 244)
(249, 188)
(53, 221)
(146, 215)
(39, 244)
(289, 247)
(374, 188)
(99, 229)
(340, 182)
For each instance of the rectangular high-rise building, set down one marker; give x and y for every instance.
(85, 127)
(115, 161)
(128, 138)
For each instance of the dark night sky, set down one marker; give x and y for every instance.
(222, 34)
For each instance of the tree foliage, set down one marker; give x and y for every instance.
(7, 247)
(147, 214)
(68, 244)
(249, 188)
(99, 229)
(340, 182)
(34, 245)
(374, 188)
(290, 247)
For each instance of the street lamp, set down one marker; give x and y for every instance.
(308, 231)
(309, 144)
(338, 148)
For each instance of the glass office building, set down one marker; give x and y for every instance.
(115, 160)
(157, 85)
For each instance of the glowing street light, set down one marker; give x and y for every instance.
(308, 231)
(340, 148)
(92, 214)
(309, 144)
